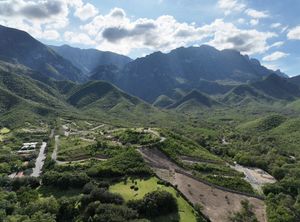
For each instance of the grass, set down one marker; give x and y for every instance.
(186, 211)
(4, 130)
(72, 148)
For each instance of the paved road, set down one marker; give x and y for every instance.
(54, 154)
(39, 163)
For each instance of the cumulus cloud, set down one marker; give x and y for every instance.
(43, 18)
(275, 56)
(115, 31)
(254, 22)
(50, 35)
(275, 25)
(32, 9)
(256, 14)
(78, 38)
(86, 11)
(228, 36)
(294, 33)
(230, 6)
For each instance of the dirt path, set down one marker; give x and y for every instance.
(217, 203)
(79, 161)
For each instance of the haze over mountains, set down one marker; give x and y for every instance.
(47, 79)
(87, 60)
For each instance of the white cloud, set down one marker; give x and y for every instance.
(241, 20)
(50, 35)
(277, 44)
(86, 11)
(228, 36)
(41, 17)
(275, 56)
(257, 14)
(294, 33)
(78, 38)
(254, 22)
(276, 25)
(117, 32)
(120, 33)
(230, 6)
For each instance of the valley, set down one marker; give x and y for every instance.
(196, 134)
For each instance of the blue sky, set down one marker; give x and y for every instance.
(265, 29)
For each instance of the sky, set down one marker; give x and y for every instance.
(268, 30)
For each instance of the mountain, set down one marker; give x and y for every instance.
(163, 101)
(194, 100)
(33, 100)
(90, 93)
(193, 67)
(243, 95)
(87, 60)
(295, 80)
(20, 47)
(270, 89)
(110, 73)
(278, 87)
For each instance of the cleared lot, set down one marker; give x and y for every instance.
(217, 204)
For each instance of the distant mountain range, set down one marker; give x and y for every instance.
(43, 80)
(203, 68)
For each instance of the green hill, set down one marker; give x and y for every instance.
(277, 87)
(269, 90)
(163, 101)
(193, 101)
(244, 94)
(263, 124)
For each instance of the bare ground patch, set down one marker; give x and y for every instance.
(217, 203)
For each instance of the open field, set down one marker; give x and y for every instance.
(186, 212)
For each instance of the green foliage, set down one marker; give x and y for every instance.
(127, 162)
(155, 204)
(65, 180)
(136, 137)
(234, 183)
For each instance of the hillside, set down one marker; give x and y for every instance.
(193, 101)
(87, 60)
(20, 47)
(271, 89)
(277, 87)
(163, 101)
(188, 67)
(109, 73)
(295, 80)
